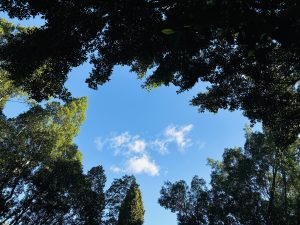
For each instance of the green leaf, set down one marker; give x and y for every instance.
(168, 31)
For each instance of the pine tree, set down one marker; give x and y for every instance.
(132, 209)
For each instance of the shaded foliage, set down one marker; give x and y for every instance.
(255, 185)
(248, 51)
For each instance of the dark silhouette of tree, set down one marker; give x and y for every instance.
(132, 208)
(114, 197)
(247, 51)
(255, 185)
(190, 203)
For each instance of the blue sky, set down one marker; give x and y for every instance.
(156, 135)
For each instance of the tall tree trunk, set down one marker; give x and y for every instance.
(272, 192)
(285, 196)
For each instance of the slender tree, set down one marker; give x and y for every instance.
(114, 197)
(132, 209)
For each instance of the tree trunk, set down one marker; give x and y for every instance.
(285, 197)
(272, 193)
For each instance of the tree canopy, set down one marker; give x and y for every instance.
(255, 185)
(247, 51)
(41, 177)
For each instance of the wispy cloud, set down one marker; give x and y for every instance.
(161, 146)
(178, 134)
(116, 169)
(99, 143)
(120, 140)
(127, 144)
(137, 146)
(142, 164)
(135, 151)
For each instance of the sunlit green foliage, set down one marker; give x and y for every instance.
(41, 177)
(132, 208)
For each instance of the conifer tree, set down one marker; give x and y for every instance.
(132, 209)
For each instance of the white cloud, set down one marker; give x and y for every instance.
(161, 146)
(137, 146)
(127, 144)
(115, 169)
(120, 140)
(99, 143)
(178, 134)
(135, 152)
(142, 164)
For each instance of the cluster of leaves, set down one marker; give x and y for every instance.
(255, 185)
(9, 32)
(248, 51)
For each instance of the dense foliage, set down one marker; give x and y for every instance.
(41, 178)
(255, 185)
(247, 51)
(132, 208)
